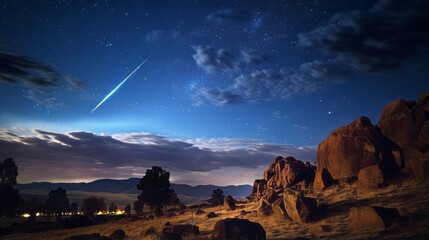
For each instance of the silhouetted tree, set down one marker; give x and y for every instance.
(32, 207)
(138, 207)
(173, 200)
(127, 209)
(113, 207)
(9, 197)
(155, 186)
(217, 197)
(73, 208)
(92, 205)
(57, 203)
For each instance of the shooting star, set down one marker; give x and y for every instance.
(120, 84)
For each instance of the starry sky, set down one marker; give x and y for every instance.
(228, 86)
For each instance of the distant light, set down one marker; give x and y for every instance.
(329, 113)
(26, 215)
(119, 212)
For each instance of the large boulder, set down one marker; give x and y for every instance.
(402, 121)
(279, 210)
(237, 229)
(322, 180)
(372, 218)
(348, 149)
(299, 208)
(270, 196)
(370, 177)
(229, 203)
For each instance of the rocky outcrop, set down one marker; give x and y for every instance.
(281, 174)
(407, 124)
(372, 219)
(229, 203)
(286, 172)
(237, 229)
(370, 177)
(349, 149)
(298, 207)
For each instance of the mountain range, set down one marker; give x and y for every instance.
(126, 187)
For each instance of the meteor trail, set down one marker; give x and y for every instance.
(120, 84)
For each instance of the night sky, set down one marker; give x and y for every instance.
(229, 84)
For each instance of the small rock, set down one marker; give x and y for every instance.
(299, 208)
(118, 234)
(211, 215)
(199, 212)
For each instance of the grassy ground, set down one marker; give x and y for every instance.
(409, 197)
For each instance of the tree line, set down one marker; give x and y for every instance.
(156, 194)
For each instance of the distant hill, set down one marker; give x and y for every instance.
(127, 187)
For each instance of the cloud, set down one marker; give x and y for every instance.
(266, 84)
(43, 156)
(154, 35)
(212, 59)
(375, 40)
(216, 97)
(254, 57)
(229, 15)
(38, 78)
(50, 102)
(75, 84)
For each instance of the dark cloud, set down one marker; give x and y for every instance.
(229, 15)
(212, 59)
(20, 70)
(216, 97)
(375, 40)
(41, 155)
(38, 78)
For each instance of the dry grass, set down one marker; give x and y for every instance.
(409, 197)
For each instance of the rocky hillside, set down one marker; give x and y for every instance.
(359, 157)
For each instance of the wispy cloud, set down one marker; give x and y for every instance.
(43, 155)
(40, 79)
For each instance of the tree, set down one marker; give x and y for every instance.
(113, 208)
(138, 207)
(155, 186)
(127, 209)
(173, 200)
(57, 203)
(92, 205)
(32, 207)
(73, 208)
(9, 197)
(217, 197)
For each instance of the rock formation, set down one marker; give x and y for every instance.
(237, 229)
(298, 207)
(229, 203)
(281, 174)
